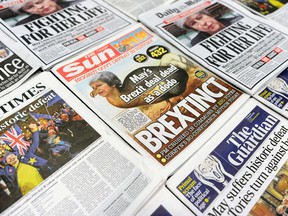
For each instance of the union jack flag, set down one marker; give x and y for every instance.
(15, 139)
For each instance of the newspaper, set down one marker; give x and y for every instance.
(232, 42)
(275, 93)
(134, 8)
(54, 30)
(231, 172)
(164, 203)
(275, 10)
(58, 158)
(164, 104)
(15, 64)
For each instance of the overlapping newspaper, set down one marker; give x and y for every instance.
(163, 103)
(275, 93)
(243, 48)
(58, 158)
(243, 163)
(54, 30)
(16, 65)
(274, 9)
(164, 203)
(134, 8)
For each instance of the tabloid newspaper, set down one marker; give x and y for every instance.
(242, 170)
(164, 203)
(134, 8)
(275, 93)
(157, 99)
(276, 10)
(54, 30)
(58, 158)
(232, 42)
(16, 65)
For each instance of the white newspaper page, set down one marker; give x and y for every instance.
(134, 8)
(58, 158)
(164, 203)
(54, 30)
(276, 10)
(275, 93)
(236, 166)
(241, 47)
(16, 65)
(163, 103)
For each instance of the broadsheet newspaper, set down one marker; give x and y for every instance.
(237, 45)
(134, 8)
(164, 104)
(16, 65)
(275, 93)
(271, 9)
(53, 30)
(164, 203)
(58, 158)
(243, 163)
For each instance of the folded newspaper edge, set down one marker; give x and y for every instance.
(164, 202)
(135, 8)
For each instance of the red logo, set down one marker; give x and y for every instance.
(87, 63)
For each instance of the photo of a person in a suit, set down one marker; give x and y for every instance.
(206, 24)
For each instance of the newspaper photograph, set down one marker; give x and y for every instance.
(275, 10)
(156, 98)
(274, 200)
(134, 8)
(274, 94)
(52, 158)
(55, 29)
(164, 203)
(231, 172)
(243, 48)
(16, 65)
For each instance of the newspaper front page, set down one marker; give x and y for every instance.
(163, 103)
(58, 158)
(275, 93)
(234, 168)
(275, 10)
(164, 203)
(243, 48)
(134, 8)
(16, 65)
(54, 30)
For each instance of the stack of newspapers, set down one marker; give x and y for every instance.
(157, 108)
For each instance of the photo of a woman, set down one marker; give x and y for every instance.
(202, 24)
(106, 84)
(28, 11)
